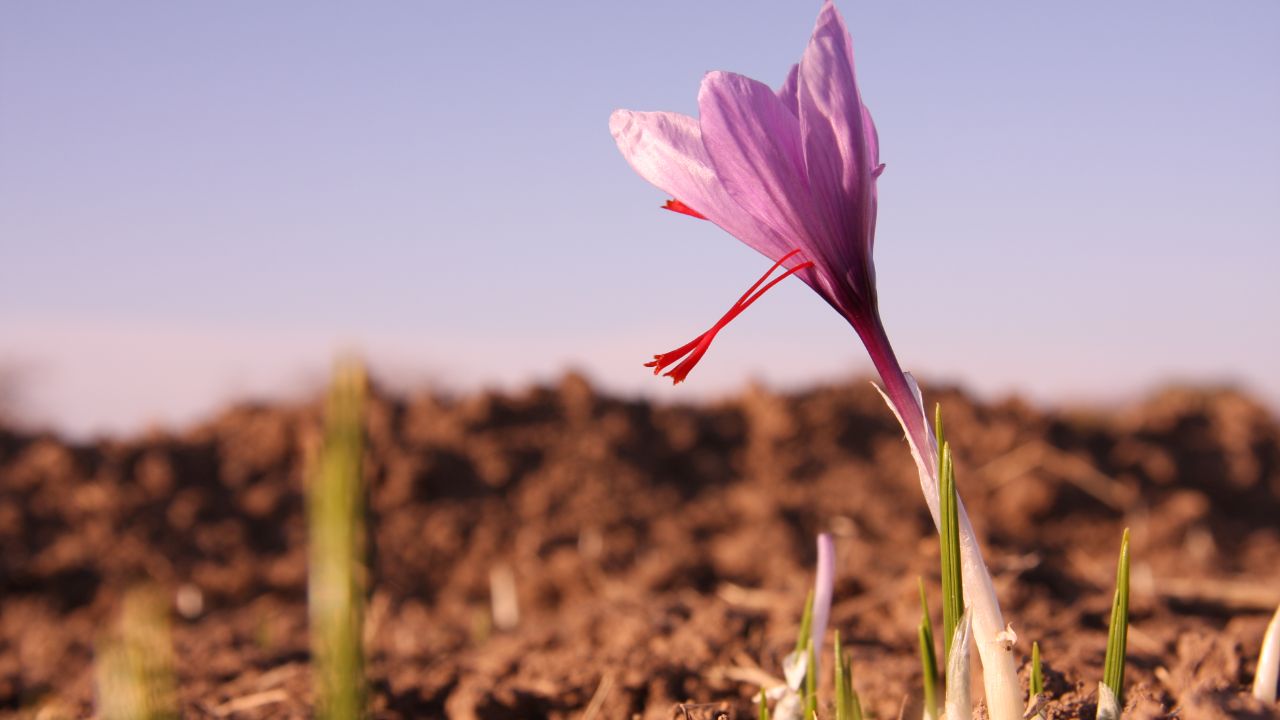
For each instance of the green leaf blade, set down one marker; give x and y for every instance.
(806, 625)
(928, 658)
(811, 683)
(1118, 631)
(1037, 671)
(337, 563)
(949, 541)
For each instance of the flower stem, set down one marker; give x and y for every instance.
(899, 390)
(1000, 676)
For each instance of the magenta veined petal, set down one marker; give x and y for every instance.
(754, 145)
(838, 140)
(787, 93)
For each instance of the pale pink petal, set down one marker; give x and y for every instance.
(666, 149)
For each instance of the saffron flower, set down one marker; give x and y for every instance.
(792, 174)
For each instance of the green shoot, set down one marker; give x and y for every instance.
(928, 658)
(937, 430)
(848, 704)
(1117, 635)
(335, 509)
(811, 683)
(806, 625)
(134, 672)
(855, 703)
(1036, 698)
(764, 706)
(1037, 672)
(842, 693)
(952, 583)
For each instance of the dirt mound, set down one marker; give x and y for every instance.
(658, 554)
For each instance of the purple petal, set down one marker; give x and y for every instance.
(840, 148)
(873, 142)
(835, 127)
(667, 150)
(754, 145)
(787, 93)
(823, 586)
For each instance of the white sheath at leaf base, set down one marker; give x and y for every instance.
(1264, 682)
(999, 672)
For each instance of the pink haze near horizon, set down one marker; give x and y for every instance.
(200, 202)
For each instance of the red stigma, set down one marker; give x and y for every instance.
(692, 351)
(677, 206)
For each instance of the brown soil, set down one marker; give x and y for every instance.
(659, 553)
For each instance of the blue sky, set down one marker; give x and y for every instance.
(200, 200)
